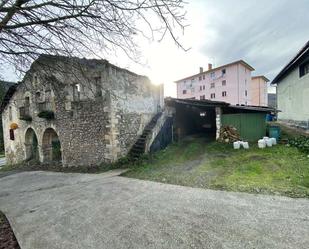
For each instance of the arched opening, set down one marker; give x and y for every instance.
(51, 146)
(31, 144)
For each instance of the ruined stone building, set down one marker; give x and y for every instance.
(78, 111)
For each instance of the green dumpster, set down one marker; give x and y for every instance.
(274, 131)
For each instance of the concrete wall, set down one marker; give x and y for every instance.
(238, 80)
(100, 110)
(293, 100)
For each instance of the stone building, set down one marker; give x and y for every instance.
(78, 111)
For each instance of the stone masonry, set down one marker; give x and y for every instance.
(99, 111)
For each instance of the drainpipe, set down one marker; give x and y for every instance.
(259, 91)
(238, 82)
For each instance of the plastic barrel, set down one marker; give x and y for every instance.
(269, 117)
(274, 131)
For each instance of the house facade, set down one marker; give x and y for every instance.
(229, 83)
(77, 111)
(293, 90)
(259, 92)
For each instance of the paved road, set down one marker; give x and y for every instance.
(55, 210)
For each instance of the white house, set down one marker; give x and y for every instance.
(293, 90)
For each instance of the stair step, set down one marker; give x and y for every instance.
(142, 146)
(138, 148)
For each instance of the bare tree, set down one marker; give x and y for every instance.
(82, 27)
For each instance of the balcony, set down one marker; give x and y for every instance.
(45, 110)
(44, 106)
(24, 113)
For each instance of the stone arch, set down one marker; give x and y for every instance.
(51, 146)
(31, 145)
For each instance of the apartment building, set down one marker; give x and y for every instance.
(259, 93)
(230, 83)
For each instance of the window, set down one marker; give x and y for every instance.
(192, 90)
(246, 93)
(77, 86)
(98, 90)
(212, 75)
(192, 79)
(76, 92)
(304, 69)
(10, 113)
(224, 94)
(12, 136)
(204, 87)
(202, 97)
(201, 88)
(223, 82)
(223, 71)
(200, 78)
(27, 101)
(203, 76)
(38, 96)
(245, 81)
(35, 80)
(213, 95)
(212, 85)
(184, 91)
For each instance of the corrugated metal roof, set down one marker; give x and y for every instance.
(196, 102)
(253, 108)
(211, 103)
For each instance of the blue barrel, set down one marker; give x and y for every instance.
(274, 131)
(269, 117)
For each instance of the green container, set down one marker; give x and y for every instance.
(274, 131)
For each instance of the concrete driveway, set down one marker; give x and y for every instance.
(56, 210)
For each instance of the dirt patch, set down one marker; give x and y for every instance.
(7, 237)
(257, 158)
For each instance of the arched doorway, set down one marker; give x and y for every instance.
(51, 146)
(31, 145)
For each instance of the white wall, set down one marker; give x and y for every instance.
(293, 97)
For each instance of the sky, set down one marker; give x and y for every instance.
(265, 34)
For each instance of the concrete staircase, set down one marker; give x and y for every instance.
(139, 147)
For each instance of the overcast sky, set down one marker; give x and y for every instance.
(264, 33)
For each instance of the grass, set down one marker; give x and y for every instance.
(34, 165)
(279, 170)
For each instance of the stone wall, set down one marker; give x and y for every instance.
(100, 110)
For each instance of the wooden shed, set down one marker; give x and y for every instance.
(206, 117)
(250, 121)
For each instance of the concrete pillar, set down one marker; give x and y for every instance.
(218, 121)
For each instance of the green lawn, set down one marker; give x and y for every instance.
(278, 170)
